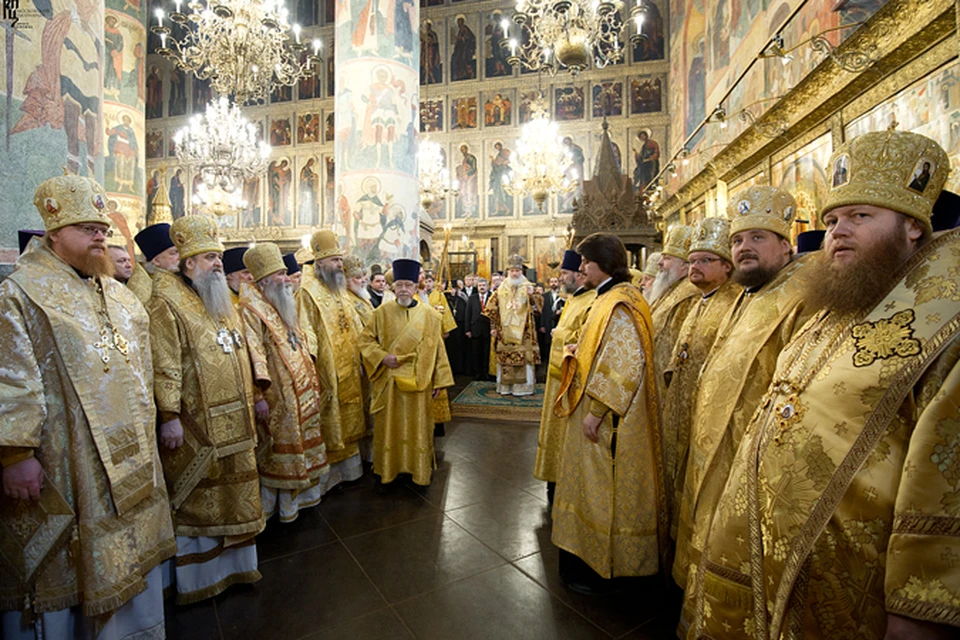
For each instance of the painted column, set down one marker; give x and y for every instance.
(124, 95)
(377, 128)
(52, 94)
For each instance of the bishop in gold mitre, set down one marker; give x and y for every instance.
(609, 512)
(762, 319)
(403, 352)
(292, 460)
(357, 288)
(513, 331)
(204, 391)
(328, 319)
(846, 484)
(711, 265)
(567, 332)
(84, 511)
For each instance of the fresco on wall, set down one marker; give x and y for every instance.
(498, 109)
(803, 174)
(930, 106)
(467, 173)
(463, 49)
(123, 171)
(608, 99)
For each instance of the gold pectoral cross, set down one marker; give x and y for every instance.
(225, 340)
(103, 345)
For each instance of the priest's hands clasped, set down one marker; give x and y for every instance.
(171, 434)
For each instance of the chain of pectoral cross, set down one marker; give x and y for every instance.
(110, 337)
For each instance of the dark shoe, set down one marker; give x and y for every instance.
(551, 491)
(438, 430)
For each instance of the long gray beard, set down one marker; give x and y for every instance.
(280, 295)
(360, 292)
(213, 290)
(335, 280)
(662, 284)
(570, 287)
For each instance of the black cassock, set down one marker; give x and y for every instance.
(456, 342)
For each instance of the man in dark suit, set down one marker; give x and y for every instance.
(478, 331)
(458, 347)
(549, 315)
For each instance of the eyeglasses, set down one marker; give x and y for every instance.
(91, 230)
(702, 262)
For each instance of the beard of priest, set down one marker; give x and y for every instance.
(513, 329)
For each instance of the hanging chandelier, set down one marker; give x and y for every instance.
(540, 168)
(569, 34)
(244, 47)
(222, 147)
(218, 202)
(434, 177)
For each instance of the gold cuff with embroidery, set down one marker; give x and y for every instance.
(10, 456)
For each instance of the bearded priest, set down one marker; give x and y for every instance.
(204, 391)
(292, 459)
(511, 310)
(403, 350)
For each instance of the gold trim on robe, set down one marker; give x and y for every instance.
(841, 507)
(141, 284)
(668, 313)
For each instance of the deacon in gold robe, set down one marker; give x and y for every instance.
(159, 252)
(328, 318)
(513, 331)
(567, 332)
(363, 309)
(292, 458)
(673, 296)
(204, 392)
(403, 350)
(739, 367)
(84, 511)
(609, 509)
(710, 268)
(840, 516)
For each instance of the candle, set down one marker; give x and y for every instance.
(296, 32)
(316, 46)
(159, 15)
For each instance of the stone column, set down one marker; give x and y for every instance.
(53, 104)
(377, 128)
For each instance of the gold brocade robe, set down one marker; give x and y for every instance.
(330, 323)
(842, 504)
(140, 283)
(553, 428)
(293, 456)
(103, 519)
(734, 378)
(511, 311)
(668, 312)
(678, 385)
(202, 374)
(362, 308)
(441, 404)
(609, 508)
(401, 397)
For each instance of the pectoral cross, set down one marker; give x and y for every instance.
(102, 345)
(225, 340)
(237, 338)
(293, 339)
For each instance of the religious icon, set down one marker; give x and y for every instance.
(154, 106)
(367, 223)
(176, 193)
(382, 114)
(495, 53)
(574, 173)
(329, 182)
(201, 94)
(431, 115)
(154, 145)
(309, 192)
(282, 93)
(279, 177)
(250, 216)
(123, 158)
(497, 111)
(308, 87)
(651, 47)
(646, 95)
(308, 13)
(463, 61)
(841, 171)
(646, 156)
(196, 206)
(280, 132)
(569, 103)
(404, 24)
(921, 175)
(431, 61)
(527, 98)
(500, 202)
(308, 128)
(177, 103)
(328, 127)
(468, 201)
(607, 99)
(113, 45)
(463, 113)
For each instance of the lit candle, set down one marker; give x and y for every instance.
(178, 3)
(316, 46)
(505, 25)
(163, 41)
(296, 32)
(513, 46)
(159, 14)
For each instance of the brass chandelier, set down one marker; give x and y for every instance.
(244, 47)
(222, 147)
(434, 177)
(540, 169)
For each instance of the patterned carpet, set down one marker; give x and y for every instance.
(481, 400)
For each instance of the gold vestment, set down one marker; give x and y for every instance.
(678, 385)
(140, 283)
(363, 310)
(441, 404)
(202, 374)
(842, 504)
(77, 392)
(668, 313)
(734, 378)
(330, 323)
(401, 398)
(293, 456)
(511, 310)
(552, 427)
(609, 508)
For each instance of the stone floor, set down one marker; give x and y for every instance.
(467, 557)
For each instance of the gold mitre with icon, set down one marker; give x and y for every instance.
(325, 244)
(677, 242)
(70, 199)
(762, 207)
(263, 259)
(896, 170)
(352, 267)
(515, 261)
(652, 266)
(712, 235)
(195, 234)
